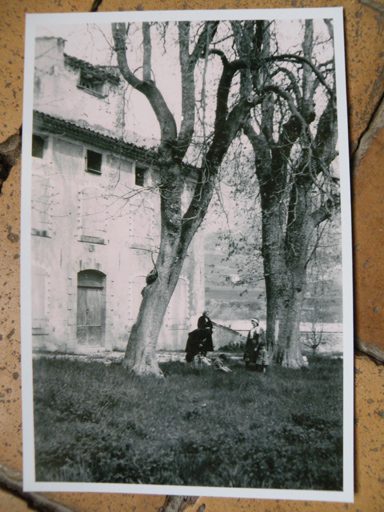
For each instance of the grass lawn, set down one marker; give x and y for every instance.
(283, 429)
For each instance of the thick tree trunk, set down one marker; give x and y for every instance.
(288, 348)
(140, 355)
(177, 232)
(299, 231)
(285, 288)
(284, 249)
(274, 269)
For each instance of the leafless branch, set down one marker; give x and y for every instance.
(147, 45)
(302, 60)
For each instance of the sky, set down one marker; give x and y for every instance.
(94, 43)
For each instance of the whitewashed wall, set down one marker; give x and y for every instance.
(102, 222)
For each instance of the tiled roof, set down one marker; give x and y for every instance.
(91, 136)
(82, 131)
(104, 73)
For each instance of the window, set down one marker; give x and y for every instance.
(140, 176)
(41, 201)
(93, 162)
(91, 84)
(141, 222)
(93, 216)
(38, 146)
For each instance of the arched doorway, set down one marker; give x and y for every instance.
(91, 308)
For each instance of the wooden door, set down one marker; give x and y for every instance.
(91, 308)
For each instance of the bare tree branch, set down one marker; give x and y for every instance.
(292, 80)
(302, 60)
(210, 28)
(288, 98)
(228, 72)
(187, 64)
(147, 46)
(187, 89)
(147, 88)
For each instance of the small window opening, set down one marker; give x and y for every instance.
(91, 84)
(38, 146)
(140, 173)
(94, 162)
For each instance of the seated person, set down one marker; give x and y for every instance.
(196, 344)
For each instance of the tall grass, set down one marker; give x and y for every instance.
(96, 423)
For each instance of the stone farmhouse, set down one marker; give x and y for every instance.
(95, 213)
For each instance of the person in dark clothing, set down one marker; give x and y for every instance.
(195, 344)
(204, 322)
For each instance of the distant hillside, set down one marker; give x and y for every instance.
(228, 299)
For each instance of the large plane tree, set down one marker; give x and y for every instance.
(198, 49)
(294, 136)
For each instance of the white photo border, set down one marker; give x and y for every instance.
(30, 484)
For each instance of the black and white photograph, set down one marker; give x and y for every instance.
(187, 323)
